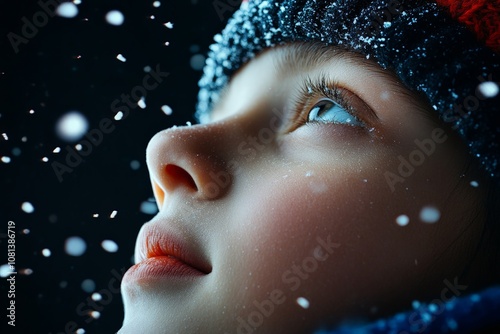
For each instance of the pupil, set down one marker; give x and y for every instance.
(320, 107)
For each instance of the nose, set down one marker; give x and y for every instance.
(188, 160)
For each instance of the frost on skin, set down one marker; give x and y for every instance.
(430, 214)
(321, 180)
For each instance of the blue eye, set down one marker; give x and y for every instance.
(328, 111)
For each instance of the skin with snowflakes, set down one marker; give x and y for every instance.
(330, 182)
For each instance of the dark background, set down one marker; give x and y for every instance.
(70, 64)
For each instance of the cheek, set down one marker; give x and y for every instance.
(299, 240)
(331, 240)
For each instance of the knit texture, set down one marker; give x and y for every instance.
(430, 52)
(473, 313)
(481, 16)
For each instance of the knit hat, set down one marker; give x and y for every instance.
(447, 50)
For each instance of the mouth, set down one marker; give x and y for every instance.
(160, 254)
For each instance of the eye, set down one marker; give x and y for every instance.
(328, 111)
(320, 100)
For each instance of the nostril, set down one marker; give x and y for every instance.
(180, 176)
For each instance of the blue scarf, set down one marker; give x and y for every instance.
(469, 314)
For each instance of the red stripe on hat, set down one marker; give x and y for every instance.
(481, 16)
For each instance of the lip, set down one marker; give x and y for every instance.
(161, 254)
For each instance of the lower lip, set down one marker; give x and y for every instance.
(160, 267)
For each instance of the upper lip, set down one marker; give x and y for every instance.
(156, 240)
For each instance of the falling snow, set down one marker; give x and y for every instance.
(71, 126)
(46, 252)
(27, 207)
(67, 10)
(169, 25)
(96, 296)
(304, 303)
(75, 246)
(429, 214)
(121, 58)
(194, 48)
(142, 103)
(474, 184)
(197, 62)
(402, 220)
(166, 110)
(317, 186)
(149, 208)
(109, 246)
(5, 270)
(113, 214)
(5, 159)
(488, 89)
(118, 116)
(115, 18)
(26, 271)
(88, 285)
(135, 165)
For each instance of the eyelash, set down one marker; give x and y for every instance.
(316, 88)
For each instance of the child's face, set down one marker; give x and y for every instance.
(276, 208)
